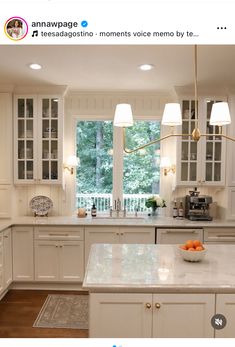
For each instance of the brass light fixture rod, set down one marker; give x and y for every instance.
(129, 151)
(196, 134)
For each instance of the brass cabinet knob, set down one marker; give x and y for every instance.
(157, 305)
(148, 305)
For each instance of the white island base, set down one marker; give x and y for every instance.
(141, 291)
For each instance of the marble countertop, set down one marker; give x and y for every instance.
(159, 221)
(158, 268)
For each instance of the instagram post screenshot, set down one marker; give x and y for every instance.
(117, 173)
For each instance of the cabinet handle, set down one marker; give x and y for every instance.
(180, 231)
(6, 237)
(117, 233)
(122, 234)
(157, 305)
(58, 234)
(148, 305)
(226, 235)
(61, 246)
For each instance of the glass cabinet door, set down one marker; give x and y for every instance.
(213, 158)
(25, 119)
(189, 151)
(49, 138)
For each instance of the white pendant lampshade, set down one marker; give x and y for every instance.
(123, 116)
(220, 114)
(172, 115)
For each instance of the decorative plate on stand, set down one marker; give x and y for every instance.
(41, 205)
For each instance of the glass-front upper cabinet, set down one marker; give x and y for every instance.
(38, 144)
(49, 149)
(189, 148)
(213, 163)
(25, 139)
(200, 162)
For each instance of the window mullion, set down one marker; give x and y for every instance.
(117, 164)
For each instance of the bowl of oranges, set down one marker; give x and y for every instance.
(192, 250)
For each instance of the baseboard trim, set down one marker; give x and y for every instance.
(4, 293)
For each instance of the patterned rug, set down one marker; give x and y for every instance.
(64, 311)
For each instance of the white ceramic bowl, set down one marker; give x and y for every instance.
(193, 256)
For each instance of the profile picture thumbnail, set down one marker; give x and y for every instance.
(16, 28)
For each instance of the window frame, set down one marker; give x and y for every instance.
(117, 152)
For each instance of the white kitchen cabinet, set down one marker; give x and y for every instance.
(134, 315)
(202, 162)
(230, 212)
(7, 257)
(46, 261)
(175, 236)
(115, 234)
(38, 139)
(225, 305)
(5, 201)
(1, 262)
(183, 315)
(6, 153)
(59, 261)
(6, 134)
(120, 315)
(219, 235)
(72, 261)
(59, 253)
(23, 253)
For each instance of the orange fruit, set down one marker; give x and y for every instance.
(197, 243)
(199, 248)
(191, 249)
(183, 247)
(189, 244)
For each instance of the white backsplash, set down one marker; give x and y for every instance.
(24, 194)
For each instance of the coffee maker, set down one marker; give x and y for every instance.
(197, 206)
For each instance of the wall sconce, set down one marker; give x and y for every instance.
(71, 163)
(167, 166)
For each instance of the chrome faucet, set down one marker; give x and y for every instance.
(118, 208)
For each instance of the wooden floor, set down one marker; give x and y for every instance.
(19, 309)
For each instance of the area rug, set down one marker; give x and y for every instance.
(64, 311)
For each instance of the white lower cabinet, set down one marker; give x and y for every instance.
(183, 315)
(120, 315)
(23, 255)
(219, 235)
(115, 234)
(7, 257)
(1, 262)
(225, 305)
(151, 315)
(174, 236)
(59, 261)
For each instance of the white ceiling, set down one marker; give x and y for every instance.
(99, 67)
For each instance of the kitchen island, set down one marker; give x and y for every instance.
(150, 291)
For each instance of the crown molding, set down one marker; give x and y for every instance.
(54, 89)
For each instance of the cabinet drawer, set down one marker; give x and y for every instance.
(219, 234)
(1, 258)
(22, 228)
(1, 280)
(174, 236)
(59, 233)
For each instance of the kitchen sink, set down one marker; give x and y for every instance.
(119, 218)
